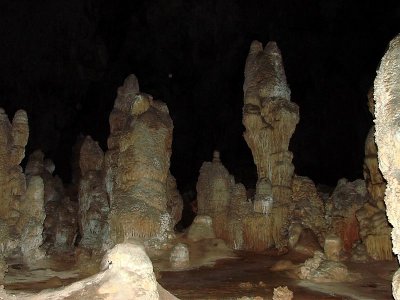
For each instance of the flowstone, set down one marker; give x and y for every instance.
(270, 119)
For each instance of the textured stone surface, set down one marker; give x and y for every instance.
(13, 139)
(127, 274)
(346, 199)
(137, 165)
(282, 293)
(22, 197)
(333, 247)
(270, 119)
(375, 232)
(179, 257)
(93, 200)
(309, 208)
(174, 200)
(61, 223)
(387, 112)
(201, 228)
(374, 180)
(319, 269)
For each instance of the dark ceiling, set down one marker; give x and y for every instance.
(62, 61)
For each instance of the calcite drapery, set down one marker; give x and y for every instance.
(387, 112)
(93, 200)
(270, 119)
(137, 164)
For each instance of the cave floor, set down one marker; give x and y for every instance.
(250, 276)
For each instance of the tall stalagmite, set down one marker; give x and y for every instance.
(93, 201)
(137, 164)
(270, 119)
(387, 114)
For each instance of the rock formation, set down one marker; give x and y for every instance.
(22, 198)
(387, 111)
(13, 139)
(345, 201)
(376, 185)
(175, 201)
(375, 232)
(137, 165)
(93, 200)
(61, 222)
(282, 293)
(308, 207)
(320, 269)
(127, 273)
(179, 256)
(241, 223)
(270, 119)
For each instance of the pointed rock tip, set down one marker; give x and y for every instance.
(131, 84)
(272, 48)
(256, 46)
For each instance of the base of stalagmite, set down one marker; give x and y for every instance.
(127, 273)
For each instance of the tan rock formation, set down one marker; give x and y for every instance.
(61, 223)
(201, 228)
(282, 293)
(30, 223)
(375, 232)
(21, 208)
(346, 199)
(242, 224)
(376, 185)
(308, 207)
(387, 111)
(93, 200)
(179, 257)
(319, 269)
(270, 119)
(137, 164)
(127, 273)
(333, 247)
(13, 139)
(175, 201)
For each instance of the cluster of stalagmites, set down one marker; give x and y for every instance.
(128, 192)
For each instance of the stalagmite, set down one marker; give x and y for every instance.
(387, 112)
(341, 207)
(137, 165)
(308, 207)
(61, 223)
(93, 200)
(270, 119)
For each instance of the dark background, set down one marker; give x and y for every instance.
(62, 61)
